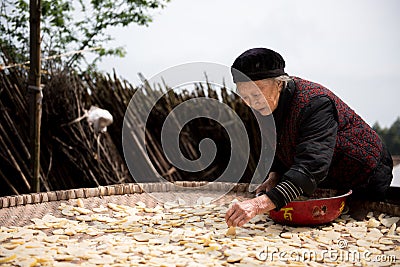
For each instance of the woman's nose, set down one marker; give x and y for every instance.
(254, 103)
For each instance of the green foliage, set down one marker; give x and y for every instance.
(391, 136)
(70, 25)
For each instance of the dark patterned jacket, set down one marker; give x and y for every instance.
(322, 142)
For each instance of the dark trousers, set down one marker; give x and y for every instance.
(378, 184)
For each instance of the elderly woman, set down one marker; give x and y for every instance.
(321, 141)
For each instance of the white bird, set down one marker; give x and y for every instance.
(99, 118)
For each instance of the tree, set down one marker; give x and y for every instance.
(390, 136)
(70, 25)
(393, 137)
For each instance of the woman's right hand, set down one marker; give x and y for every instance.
(271, 182)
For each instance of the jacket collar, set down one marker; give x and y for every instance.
(284, 104)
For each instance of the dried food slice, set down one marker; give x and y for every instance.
(231, 231)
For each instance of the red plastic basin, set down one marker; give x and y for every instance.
(324, 206)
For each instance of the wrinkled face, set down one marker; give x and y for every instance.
(262, 95)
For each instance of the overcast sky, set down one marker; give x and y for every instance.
(351, 47)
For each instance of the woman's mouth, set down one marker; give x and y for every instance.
(264, 111)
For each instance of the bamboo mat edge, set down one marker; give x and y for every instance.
(111, 190)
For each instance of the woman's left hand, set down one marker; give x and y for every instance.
(242, 212)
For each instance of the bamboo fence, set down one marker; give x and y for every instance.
(74, 156)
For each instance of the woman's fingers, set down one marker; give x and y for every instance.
(240, 213)
(228, 214)
(270, 183)
(261, 187)
(232, 214)
(237, 220)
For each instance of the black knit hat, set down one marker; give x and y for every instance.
(257, 64)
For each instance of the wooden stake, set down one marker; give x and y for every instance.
(35, 91)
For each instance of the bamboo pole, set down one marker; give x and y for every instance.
(35, 91)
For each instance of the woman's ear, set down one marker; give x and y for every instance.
(280, 85)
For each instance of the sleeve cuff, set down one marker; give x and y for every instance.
(302, 180)
(283, 193)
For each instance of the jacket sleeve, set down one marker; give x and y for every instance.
(277, 166)
(313, 152)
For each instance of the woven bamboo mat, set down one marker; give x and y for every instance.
(19, 210)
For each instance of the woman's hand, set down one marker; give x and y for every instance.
(270, 183)
(242, 212)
